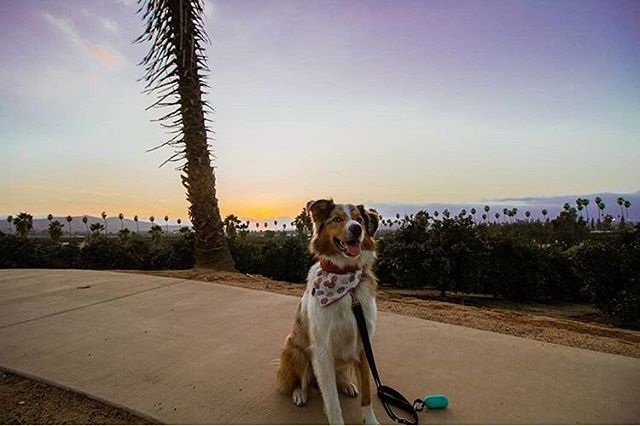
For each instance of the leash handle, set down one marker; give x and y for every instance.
(387, 395)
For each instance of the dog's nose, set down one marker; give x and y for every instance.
(355, 230)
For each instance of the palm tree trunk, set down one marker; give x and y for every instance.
(211, 248)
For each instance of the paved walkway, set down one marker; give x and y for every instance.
(193, 352)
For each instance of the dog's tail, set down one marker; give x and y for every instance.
(288, 377)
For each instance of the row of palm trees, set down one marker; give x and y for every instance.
(510, 214)
(23, 223)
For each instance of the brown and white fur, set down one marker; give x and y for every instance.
(324, 345)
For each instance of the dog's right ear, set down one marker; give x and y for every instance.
(320, 210)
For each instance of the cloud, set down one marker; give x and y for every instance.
(105, 55)
(109, 25)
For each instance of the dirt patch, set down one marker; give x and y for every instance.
(556, 325)
(25, 401)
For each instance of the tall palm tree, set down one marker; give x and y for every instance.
(585, 203)
(135, 219)
(49, 217)
(10, 220)
(597, 201)
(579, 206)
(620, 202)
(473, 213)
(174, 69)
(178, 221)
(527, 214)
(69, 219)
(497, 216)
(85, 220)
(627, 204)
(505, 213)
(544, 214)
(121, 217)
(166, 223)
(104, 217)
(23, 223)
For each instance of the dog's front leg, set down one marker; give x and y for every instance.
(324, 369)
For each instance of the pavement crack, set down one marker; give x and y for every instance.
(77, 308)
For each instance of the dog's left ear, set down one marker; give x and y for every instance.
(371, 219)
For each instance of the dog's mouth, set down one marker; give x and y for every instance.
(350, 248)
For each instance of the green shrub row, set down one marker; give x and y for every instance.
(450, 254)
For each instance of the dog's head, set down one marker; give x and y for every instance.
(343, 233)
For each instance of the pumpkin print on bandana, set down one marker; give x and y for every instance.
(329, 287)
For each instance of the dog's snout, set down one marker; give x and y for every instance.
(355, 230)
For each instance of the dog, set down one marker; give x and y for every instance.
(324, 347)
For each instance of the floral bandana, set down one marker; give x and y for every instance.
(329, 287)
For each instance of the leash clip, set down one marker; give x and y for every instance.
(418, 405)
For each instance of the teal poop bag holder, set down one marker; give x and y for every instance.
(435, 402)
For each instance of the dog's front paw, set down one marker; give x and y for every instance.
(349, 389)
(368, 416)
(299, 397)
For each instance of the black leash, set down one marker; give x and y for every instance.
(388, 396)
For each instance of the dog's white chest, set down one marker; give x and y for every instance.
(334, 327)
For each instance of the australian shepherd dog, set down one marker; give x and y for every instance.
(324, 346)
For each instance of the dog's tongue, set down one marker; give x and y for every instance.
(353, 249)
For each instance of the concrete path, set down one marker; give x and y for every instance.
(193, 352)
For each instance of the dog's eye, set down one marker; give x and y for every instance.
(337, 219)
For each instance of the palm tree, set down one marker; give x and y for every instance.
(10, 220)
(275, 223)
(627, 204)
(527, 214)
(585, 203)
(23, 223)
(85, 220)
(266, 225)
(497, 216)
(135, 219)
(96, 229)
(178, 221)
(166, 223)
(620, 202)
(484, 217)
(505, 213)
(566, 206)
(579, 206)
(69, 219)
(473, 213)
(156, 234)
(55, 230)
(104, 217)
(231, 224)
(174, 69)
(121, 217)
(49, 217)
(601, 207)
(598, 200)
(544, 214)
(152, 218)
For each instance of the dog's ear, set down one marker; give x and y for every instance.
(320, 210)
(371, 219)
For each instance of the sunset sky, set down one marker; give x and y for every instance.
(365, 101)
